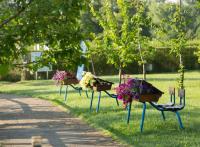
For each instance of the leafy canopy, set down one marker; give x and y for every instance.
(53, 23)
(117, 42)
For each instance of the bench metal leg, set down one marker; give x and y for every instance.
(86, 92)
(129, 112)
(126, 107)
(163, 115)
(99, 98)
(179, 120)
(79, 91)
(66, 92)
(143, 116)
(60, 90)
(91, 101)
(117, 101)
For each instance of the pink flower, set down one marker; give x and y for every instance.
(60, 76)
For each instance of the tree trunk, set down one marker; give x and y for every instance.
(120, 74)
(88, 67)
(93, 69)
(143, 63)
(144, 71)
(23, 74)
(181, 72)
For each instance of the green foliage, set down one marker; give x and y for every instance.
(176, 41)
(117, 42)
(162, 61)
(10, 74)
(142, 20)
(191, 13)
(198, 3)
(53, 23)
(198, 54)
(4, 68)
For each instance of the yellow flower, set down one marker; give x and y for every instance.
(85, 81)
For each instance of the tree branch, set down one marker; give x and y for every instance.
(6, 21)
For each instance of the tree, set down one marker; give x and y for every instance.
(159, 11)
(143, 22)
(198, 52)
(118, 41)
(176, 22)
(53, 23)
(198, 3)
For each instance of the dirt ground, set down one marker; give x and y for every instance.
(24, 118)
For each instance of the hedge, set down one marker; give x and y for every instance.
(163, 62)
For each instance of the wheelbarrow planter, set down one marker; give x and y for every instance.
(101, 85)
(149, 97)
(70, 81)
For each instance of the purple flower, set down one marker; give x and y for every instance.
(132, 89)
(129, 90)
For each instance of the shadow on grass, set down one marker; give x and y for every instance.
(33, 91)
(155, 132)
(40, 91)
(37, 83)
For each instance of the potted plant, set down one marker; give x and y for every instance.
(92, 82)
(64, 78)
(101, 85)
(139, 90)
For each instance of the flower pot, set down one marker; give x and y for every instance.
(149, 97)
(102, 87)
(70, 81)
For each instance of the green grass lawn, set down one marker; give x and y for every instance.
(112, 119)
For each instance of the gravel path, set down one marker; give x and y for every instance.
(22, 118)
